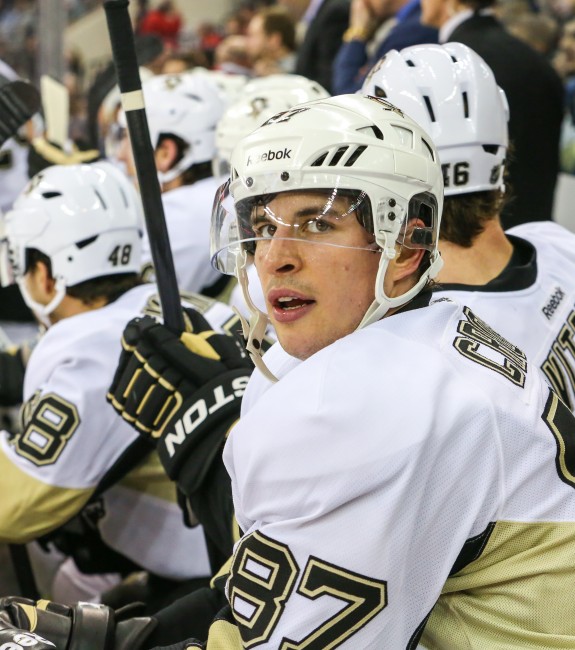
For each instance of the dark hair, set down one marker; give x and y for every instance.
(478, 5)
(276, 20)
(197, 171)
(109, 287)
(465, 215)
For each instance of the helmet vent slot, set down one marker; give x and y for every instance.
(318, 162)
(337, 156)
(380, 92)
(465, 104)
(410, 63)
(101, 199)
(490, 148)
(428, 148)
(86, 242)
(375, 130)
(51, 195)
(124, 198)
(354, 156)
(429, 108)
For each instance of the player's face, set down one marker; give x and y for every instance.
(316, 292)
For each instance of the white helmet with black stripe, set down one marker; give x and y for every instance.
(87, 219)
(452, 93)
(363, 148)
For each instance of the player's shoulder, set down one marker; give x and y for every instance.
(80, 335)
(539, 233)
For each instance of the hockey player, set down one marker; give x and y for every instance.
(73, 242)
(182, 112)
(442, 509)
(521, 281)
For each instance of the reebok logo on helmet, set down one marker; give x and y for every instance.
(279, 154)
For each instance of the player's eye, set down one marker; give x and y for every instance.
(264, 230)
(317, 226)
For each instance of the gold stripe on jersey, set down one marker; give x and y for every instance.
(150, 478)
(518, 595)
(31, 508)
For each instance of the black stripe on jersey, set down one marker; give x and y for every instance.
(472, 549)
(416, 636)
(520, 272)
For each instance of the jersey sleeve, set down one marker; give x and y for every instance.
(343, 484)
(63, 450)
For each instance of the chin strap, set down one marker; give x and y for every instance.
(255, 330)
(383, 303)
(42, 312)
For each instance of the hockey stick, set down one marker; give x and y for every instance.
(19, 101)
(126, 64)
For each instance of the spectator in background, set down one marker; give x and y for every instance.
(539, 31)
(323, 24)
(164, 21)
(184, 61)
(209, 37)
(238, 21)
(352, 62)
(271, 41)
(535, 95)
(231, 55)
(151, 54)
(564, 63)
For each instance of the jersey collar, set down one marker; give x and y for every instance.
(520, 272)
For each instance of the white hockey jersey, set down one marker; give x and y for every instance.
(188, 212)
(71, 436)
(532, 302)
(421, 463)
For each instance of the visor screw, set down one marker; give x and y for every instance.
(249, 181)
(391, 216)
(284, 176)
(392, 203)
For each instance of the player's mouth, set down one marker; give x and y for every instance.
(288, 306)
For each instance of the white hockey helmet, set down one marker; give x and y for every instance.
(86, 218)
(362, 147)
(261, 99)
(452, 93)
(231, 85)
(188, 106)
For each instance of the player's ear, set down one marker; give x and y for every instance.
(408, 258)
(166, 154)
(45, 279)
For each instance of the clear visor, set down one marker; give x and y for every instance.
(332, 217)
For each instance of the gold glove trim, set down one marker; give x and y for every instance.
(198, 344)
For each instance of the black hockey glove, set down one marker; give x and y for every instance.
(183, 392)
(13, 637)
(85, 626)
